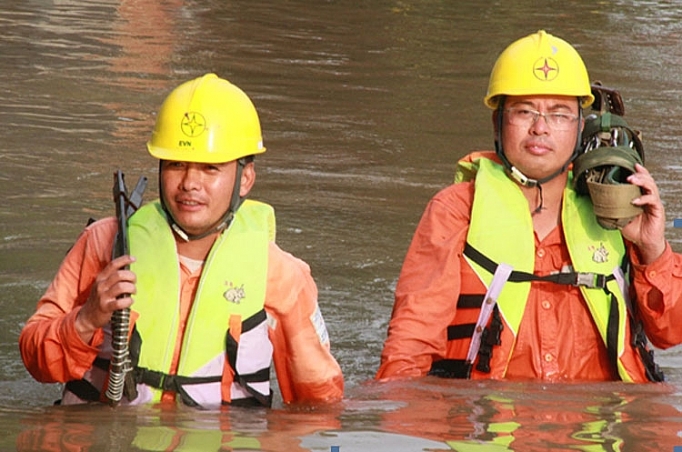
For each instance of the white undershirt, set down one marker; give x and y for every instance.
(192, 264)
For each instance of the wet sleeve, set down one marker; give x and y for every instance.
(50, 347)
(306, 369)
(658, 294)
(428, 287)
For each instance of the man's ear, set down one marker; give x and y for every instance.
(248, 179)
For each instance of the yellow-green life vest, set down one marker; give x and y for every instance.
(232, 286)
(501, 228)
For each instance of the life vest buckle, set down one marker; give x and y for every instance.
(590, 280)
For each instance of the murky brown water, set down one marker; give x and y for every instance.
(366, 107)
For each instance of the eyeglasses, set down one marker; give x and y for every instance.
(526, 117)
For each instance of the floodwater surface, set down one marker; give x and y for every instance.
(365, 109)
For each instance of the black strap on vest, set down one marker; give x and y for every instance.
(262, 375)
(161, 380)
(491, 336)
(612, 331)
(457, 369)
(462, 331)
(589, 280)
(469, 301)
(83, 389)
(451, 368)
(88, 392)
(639, 342)
(175, 383)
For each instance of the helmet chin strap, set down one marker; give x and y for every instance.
(224, 221)
(516, 174)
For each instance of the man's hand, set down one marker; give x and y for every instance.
(647, 230)
(110, 292)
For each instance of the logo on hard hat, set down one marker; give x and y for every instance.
(546, 69)
(193, 124)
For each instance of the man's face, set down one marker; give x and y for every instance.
(197, 194)
(538, 148)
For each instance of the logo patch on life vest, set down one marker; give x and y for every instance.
(233, 293)
(599, 255)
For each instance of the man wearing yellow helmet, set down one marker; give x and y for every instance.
(214, 300)
(510, 275)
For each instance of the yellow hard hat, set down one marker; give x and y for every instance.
(539, 64)
(206, 120)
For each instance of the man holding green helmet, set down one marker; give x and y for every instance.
(510, 274)
(214, 301)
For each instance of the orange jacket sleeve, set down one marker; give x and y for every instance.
(306, 369)
(658, 294)
(50, 347)
(427, 290)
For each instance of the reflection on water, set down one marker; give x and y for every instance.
(151, 429)
(431, 414)
(366, 107)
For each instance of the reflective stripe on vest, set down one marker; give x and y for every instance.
(592, 249)
(231, 289)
